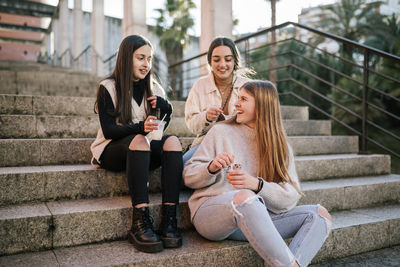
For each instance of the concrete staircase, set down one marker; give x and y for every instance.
(56, 209)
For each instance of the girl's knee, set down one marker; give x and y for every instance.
(242, 195)
(172, 144)
(139, 142)
(328, 218)
(324, 213)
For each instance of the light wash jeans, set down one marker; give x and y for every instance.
(219, 218)
(189, 154)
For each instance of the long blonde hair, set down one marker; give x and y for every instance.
(273, 150)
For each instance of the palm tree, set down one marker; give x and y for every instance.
(386, 35)
(351, 19)
(171, 27)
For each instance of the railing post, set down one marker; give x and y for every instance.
(246, 52)
(364, 130)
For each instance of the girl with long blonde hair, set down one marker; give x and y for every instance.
(246, 185)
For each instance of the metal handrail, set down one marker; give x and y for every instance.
(364, 69)
(325, 34)
(326, 82)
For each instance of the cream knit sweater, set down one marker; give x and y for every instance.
(239, 140)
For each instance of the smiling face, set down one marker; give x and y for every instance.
(246, 109)
(222, 62)
(142, 58)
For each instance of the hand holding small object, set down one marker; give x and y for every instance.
(221, 161)
(240, 179)
(150, 125)
(213, 113)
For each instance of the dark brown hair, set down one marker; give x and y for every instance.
(123, 77)
(237, 68)
(224, 41)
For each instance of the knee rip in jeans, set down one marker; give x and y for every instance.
(244, 197)
(325, 214)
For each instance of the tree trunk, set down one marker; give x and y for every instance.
(173, 57)
(272, 50)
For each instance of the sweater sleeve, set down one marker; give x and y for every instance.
(281, 197)
(108, 124)
(163, 104)
(195, 173)
(195, 117)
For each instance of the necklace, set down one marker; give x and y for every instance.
(229, 93)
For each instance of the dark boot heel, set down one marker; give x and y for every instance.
(169, 233)
(142, 235)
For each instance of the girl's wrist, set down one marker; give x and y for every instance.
(259, 184)
(209, 169)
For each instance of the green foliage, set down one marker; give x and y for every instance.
(352, 103)
(172, 25)
(386, 35)
(351, 19)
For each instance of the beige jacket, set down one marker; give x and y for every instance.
(205, 94)
(138, 114)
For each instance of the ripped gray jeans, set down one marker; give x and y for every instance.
(219, 218)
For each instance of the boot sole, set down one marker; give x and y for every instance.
(145, 247)
(171, 242)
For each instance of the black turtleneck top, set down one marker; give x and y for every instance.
(111, 129)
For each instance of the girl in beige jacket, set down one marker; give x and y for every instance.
(212, 98)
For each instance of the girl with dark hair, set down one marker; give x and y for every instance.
(246, 185)
(212, 98)
(126, 104)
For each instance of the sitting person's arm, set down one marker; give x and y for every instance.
(283, 196)
(162, 103)
(110, 128)
(195, 117)
(196, 173)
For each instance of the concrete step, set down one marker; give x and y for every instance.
(56, 126)
(34, 66)
(386, 257)
(317, 167)
(64, 105)
(353, 232)
(26, 184)
(49, 82)
(52, 151)
(59, 105)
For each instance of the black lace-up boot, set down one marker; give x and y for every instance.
(142, 235)
(168, 231)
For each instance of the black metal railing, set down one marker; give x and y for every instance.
(346, 89)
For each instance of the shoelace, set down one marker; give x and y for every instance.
(146, 222)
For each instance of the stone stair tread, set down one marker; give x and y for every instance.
(349, 181)
(85, 167)
(48, 168)
(122, 202)
(386, 257)
(50, 151)
(197, 250)
(336, 156)
(34, 126)
(32, 104)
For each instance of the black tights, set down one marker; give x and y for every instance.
(117, 157)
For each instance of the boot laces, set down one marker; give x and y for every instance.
(147, 220)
